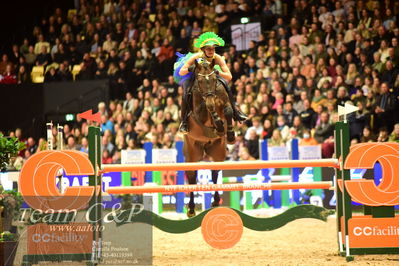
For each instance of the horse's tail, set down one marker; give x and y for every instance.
(181, 60)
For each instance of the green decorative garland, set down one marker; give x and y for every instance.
(208, 39)
(253, 223)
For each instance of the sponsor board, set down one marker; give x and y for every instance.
(368, 232)
(60, 238)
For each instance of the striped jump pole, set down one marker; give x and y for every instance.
(217, 187)
(257, 164)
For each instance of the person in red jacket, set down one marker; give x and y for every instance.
(9, 76)
(165, 57)
(166, 52)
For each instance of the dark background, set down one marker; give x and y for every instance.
(17, 18)
(31, 106)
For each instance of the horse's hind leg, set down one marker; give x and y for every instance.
(192, 180)
(194, 152)
(217, 151)
(216, 198)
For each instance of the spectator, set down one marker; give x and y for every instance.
(128, 103)
(30, 57)
(297, 129)
(383, 135)
(24, 48)
(324, 130)
(318, 99)
(106, 157)
(31, 145)
(40, 44)
(289, 113)
(106, 124)
(378, 64)
(172, 108)
(196, 30)
(8, 76)
(358, 121)
(71, 143)
(43, 58)
(367, 135)
(299, 105)
(15, 54)
(342, 96)
(276, 139)
(283, 127)
(253, 143)
(394, 137)
(60, 56)
(101, 72)
(51, 75)
(23, 76)
(307, 139)
(384, 107)
(267, 129)
(64, 74)
(109, 44)
(389, 73)
(245, 155)
(308, 116)
(85, 145)
(256, 125)
(106, 144)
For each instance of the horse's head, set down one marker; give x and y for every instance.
(206, 82)
(206, 78)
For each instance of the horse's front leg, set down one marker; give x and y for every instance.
(228, 114)
(192, 180)
(216, 198)
(210, 106)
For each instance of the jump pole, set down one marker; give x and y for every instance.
(257, 164)
(217, 187)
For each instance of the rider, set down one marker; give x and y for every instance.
(207, 43)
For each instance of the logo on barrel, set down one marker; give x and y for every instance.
(222, 228)
(364, 156)
(37, 180)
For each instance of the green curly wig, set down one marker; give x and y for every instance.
(208, 39)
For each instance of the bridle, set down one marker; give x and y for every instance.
(209, 92)
(206, 75)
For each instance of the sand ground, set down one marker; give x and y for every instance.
(301, 242)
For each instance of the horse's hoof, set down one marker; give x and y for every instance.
(215, 204)
(219, 125)
(230, 137)
(190, 213)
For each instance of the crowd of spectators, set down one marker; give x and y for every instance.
(311, 56)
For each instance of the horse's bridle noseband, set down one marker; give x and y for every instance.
(208, 93)
(206, 75)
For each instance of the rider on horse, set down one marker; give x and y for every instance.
(207, 43)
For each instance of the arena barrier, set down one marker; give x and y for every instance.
(356, 234)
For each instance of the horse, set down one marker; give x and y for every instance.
(209, 121)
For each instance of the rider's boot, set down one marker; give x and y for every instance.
(184, 115)
(237, 114)
(230, 135)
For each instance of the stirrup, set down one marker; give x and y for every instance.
(239, 116)
(183, 127)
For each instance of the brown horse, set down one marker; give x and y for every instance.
(209, 121)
